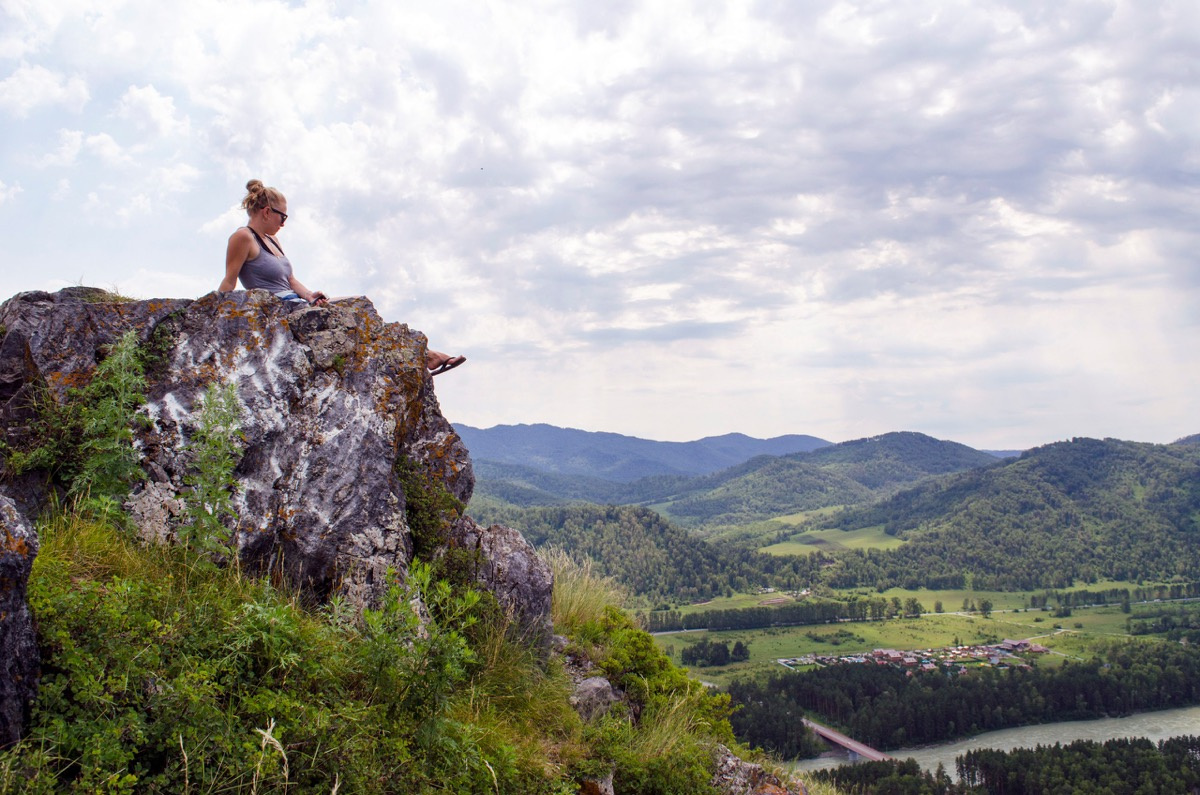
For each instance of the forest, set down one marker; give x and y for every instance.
(887, 708)
(1060, 515)
(650, 556)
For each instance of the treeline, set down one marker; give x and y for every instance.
(885, 707)
(793, 614)
(1084, 767)
(708, 653)
(652, 557)
(1177, 622)
(1142, 593)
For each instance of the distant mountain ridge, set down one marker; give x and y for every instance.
(757, 488)
(615, 457)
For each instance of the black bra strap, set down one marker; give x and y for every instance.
(264, 245)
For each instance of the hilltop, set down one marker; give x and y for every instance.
(614, 457)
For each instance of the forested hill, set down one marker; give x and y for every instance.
(842, 474)
(615, 457)
(893, 458)
(1076, 510)
(759, 488)
(649, 555)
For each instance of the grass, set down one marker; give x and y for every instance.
(833, 540)
(163, 672)
(930, 631)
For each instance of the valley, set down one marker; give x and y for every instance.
(1088, 547)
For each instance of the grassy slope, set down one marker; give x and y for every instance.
(163, 673)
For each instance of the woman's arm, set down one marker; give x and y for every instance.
(236, 254)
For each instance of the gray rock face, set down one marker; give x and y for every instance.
(735, 776)
(18, 644)
(593, 697)
(331, 398)
(511, 569)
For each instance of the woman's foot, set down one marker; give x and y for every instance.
(439, 366)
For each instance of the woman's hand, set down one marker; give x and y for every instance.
(318, 298)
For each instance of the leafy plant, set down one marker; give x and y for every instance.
(215, 452)
(85, 442)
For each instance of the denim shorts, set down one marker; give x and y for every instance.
(290, 296)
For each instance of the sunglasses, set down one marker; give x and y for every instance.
(282, 215)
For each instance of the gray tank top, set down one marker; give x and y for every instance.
(266, 271)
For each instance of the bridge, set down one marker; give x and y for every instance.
(857, 750)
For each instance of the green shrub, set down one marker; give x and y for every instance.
(85, 442)
(215, 452)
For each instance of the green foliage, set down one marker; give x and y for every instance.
(164, 675)
(886, 707)
(161, 675)
(662, 741)
(413, 667)
(109, 461)
(215, 451)
(429, 508)
(86, 441)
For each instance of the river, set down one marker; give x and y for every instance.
(1154, 726)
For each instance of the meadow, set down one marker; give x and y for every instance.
(1069, 637)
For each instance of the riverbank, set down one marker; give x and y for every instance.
(1154, 726)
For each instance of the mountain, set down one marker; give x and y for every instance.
(841, 474)
(615, 457)
(1085, 509)
(760, 488)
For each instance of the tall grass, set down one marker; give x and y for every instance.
(581, 592)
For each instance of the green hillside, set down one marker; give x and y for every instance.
(756, 489)
(649, 555)
(1077, 510)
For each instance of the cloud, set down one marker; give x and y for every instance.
(862, 215)
(8, 193)
(152, 112)
(31, 87)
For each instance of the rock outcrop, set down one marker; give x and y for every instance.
(735, 776)
(18, 644)
(334, 401)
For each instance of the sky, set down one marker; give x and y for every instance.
(976, 220)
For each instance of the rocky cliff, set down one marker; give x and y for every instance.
(335, 406)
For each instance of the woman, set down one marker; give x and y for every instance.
(255, 257)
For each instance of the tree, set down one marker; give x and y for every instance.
(985, 607)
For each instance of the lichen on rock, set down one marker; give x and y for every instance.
(18, 644)
(331, 398)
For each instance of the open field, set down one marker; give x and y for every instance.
(807, 543)
(1061, 635)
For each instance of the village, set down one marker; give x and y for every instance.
(1005, 654)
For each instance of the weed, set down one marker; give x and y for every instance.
(215, 452)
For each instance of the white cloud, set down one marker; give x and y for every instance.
(859, 215)
(151, 111)
(8, 192)
(31, 87)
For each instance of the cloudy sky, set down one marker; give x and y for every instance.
(977, 220)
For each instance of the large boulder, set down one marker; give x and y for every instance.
(333, 402)
(18, 644)
(510, 568)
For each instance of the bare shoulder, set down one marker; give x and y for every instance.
(242, 241)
